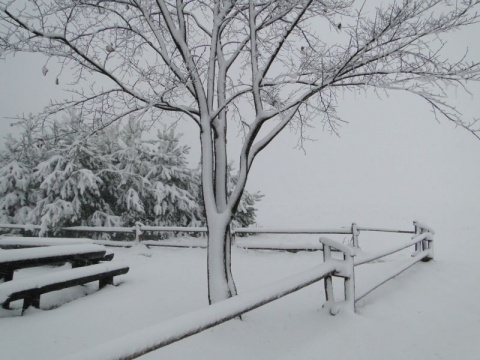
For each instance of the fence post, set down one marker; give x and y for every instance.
(138, 231)
(418, 231)
(430, 247)
(347, 272)
(349, 282)
(328, 284)
(427, 243)
(233, 234)
(355, 234)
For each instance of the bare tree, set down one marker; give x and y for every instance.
(263, 64)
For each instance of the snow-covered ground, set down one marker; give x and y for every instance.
(429, 312)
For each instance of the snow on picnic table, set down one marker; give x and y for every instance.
(39, 241)
(429, 312)
(39, 281)
(7, 256)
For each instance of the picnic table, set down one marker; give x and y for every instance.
(84, 258)
(77, 255)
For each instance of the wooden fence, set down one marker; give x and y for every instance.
(139, 229)
(142, 342)
(423, 242)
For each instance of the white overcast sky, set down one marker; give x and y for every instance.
(392, 163)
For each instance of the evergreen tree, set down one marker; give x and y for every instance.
(68, 188)
(155, 186)
(20, 156)
(64, 176)
(246, 211)
(131, 162)
(14, 192)
(175, 186)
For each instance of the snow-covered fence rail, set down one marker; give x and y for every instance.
(141, 227)
(155, 337)
(290, 231)
(21, 227)
(138, 229)
(353, 230)
(423, 242)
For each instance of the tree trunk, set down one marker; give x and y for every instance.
(228, 260)
(220, 280)
(219, 216)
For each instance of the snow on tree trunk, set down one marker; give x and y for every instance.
(219, 269)
(219, 217)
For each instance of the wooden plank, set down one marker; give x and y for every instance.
(13, 256)
(281, 247)
(292, 231)
(115, 243)
(114, 229)
(79, 259)
(18, 226)
(78, 255)
(373, 229)
(17, 242)
(133, 229)
(174, 228)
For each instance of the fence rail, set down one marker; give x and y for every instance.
(416, 257)
(389, 251)
(290, 231)
(157, 336)
(139, 229)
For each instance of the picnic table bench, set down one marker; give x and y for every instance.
(19, 242)
(77, 255)
(30, 289)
